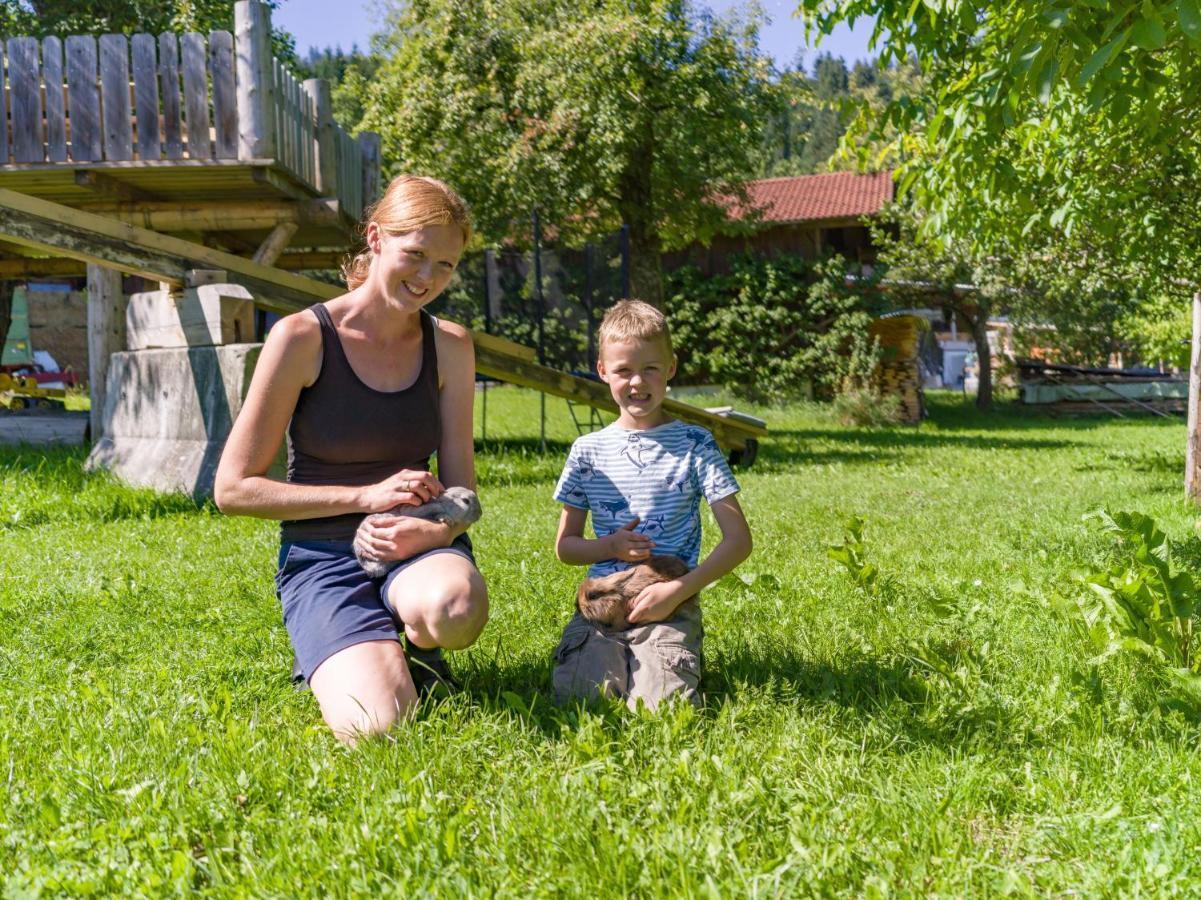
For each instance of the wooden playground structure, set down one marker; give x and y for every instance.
(210, 165)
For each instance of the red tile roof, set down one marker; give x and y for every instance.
(831, 195)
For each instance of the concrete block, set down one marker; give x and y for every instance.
(205, 315)
(167, 414)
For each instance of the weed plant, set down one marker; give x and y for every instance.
(945, 734)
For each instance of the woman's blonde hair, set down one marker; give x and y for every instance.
(409, 203)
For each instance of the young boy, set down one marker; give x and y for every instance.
(642, 479)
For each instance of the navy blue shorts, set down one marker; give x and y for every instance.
(329, 602)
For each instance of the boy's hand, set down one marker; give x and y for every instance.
(656, 602)
(628, 546)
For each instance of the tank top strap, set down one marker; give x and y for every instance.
(429, 346)
(329, 335)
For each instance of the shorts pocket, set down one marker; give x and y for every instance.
(565, 678)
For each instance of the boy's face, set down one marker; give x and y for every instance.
(637, 373)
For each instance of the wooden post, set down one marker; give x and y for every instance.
(327, 152)
(256, 100)
(1192, 457)
(369, 145)
(106, 335)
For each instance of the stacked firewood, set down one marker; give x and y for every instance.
(898, 375)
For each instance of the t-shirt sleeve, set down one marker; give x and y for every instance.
(712, 473)
(570, 489)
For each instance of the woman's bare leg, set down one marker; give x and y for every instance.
(364, 689)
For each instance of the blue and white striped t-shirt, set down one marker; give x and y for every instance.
(658, 475)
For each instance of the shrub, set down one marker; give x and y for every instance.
(770, 329)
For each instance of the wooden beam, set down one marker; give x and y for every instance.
(215, 215)
(17, 269)
(106, 336)
(274, 244)
(110, 188)
(310, 259)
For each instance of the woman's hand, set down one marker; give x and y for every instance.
(398, 537)
(408, 487)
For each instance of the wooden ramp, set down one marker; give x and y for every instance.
(42, 227)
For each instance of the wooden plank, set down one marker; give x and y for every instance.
(145, 92)
(83, 100)
(25, 94)
(168, 64)
(114, 87)
(56, 101)
(225, 98)
(195, 92)
(106, 335)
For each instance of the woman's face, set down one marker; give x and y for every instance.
(414, 268)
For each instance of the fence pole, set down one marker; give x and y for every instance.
(588, 254)
(541, 320)
(252, 61)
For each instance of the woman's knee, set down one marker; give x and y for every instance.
(457, 611)
(364, 690)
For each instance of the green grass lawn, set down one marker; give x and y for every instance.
(947, 737)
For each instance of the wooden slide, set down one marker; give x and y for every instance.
(60, 231)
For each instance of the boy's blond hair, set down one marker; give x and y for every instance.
(634, 320)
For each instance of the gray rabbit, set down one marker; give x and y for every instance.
(454, 506)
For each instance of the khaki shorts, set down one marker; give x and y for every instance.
(647, 662)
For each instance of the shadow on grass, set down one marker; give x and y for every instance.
(890, 691)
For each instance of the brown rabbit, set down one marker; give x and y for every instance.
(606, 601)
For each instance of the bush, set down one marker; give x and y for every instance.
(770, 329)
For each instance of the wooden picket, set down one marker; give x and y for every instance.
(145, 94)
(114, 90)
(56, 110)
(168, 66)
(25, 86)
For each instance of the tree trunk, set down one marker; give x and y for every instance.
(6, 309)
(637, 211)
(1192, 457)
(983, 359)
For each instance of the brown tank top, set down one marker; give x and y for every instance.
(343, 432)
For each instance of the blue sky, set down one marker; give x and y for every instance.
(313, 25)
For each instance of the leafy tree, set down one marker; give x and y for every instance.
(1049, 292)
(39, 18)
(1053, 119)
(646, 112)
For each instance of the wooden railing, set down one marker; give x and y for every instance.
(177, 97)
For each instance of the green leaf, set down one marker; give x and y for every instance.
(1099, 59)
(1046, 80)
(1149, 33)
(1189, 14)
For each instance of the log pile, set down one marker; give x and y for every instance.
(898, 375)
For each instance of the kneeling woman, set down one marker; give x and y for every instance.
(367, 387)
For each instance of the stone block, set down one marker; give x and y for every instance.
(205, 315)
(168, 412)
